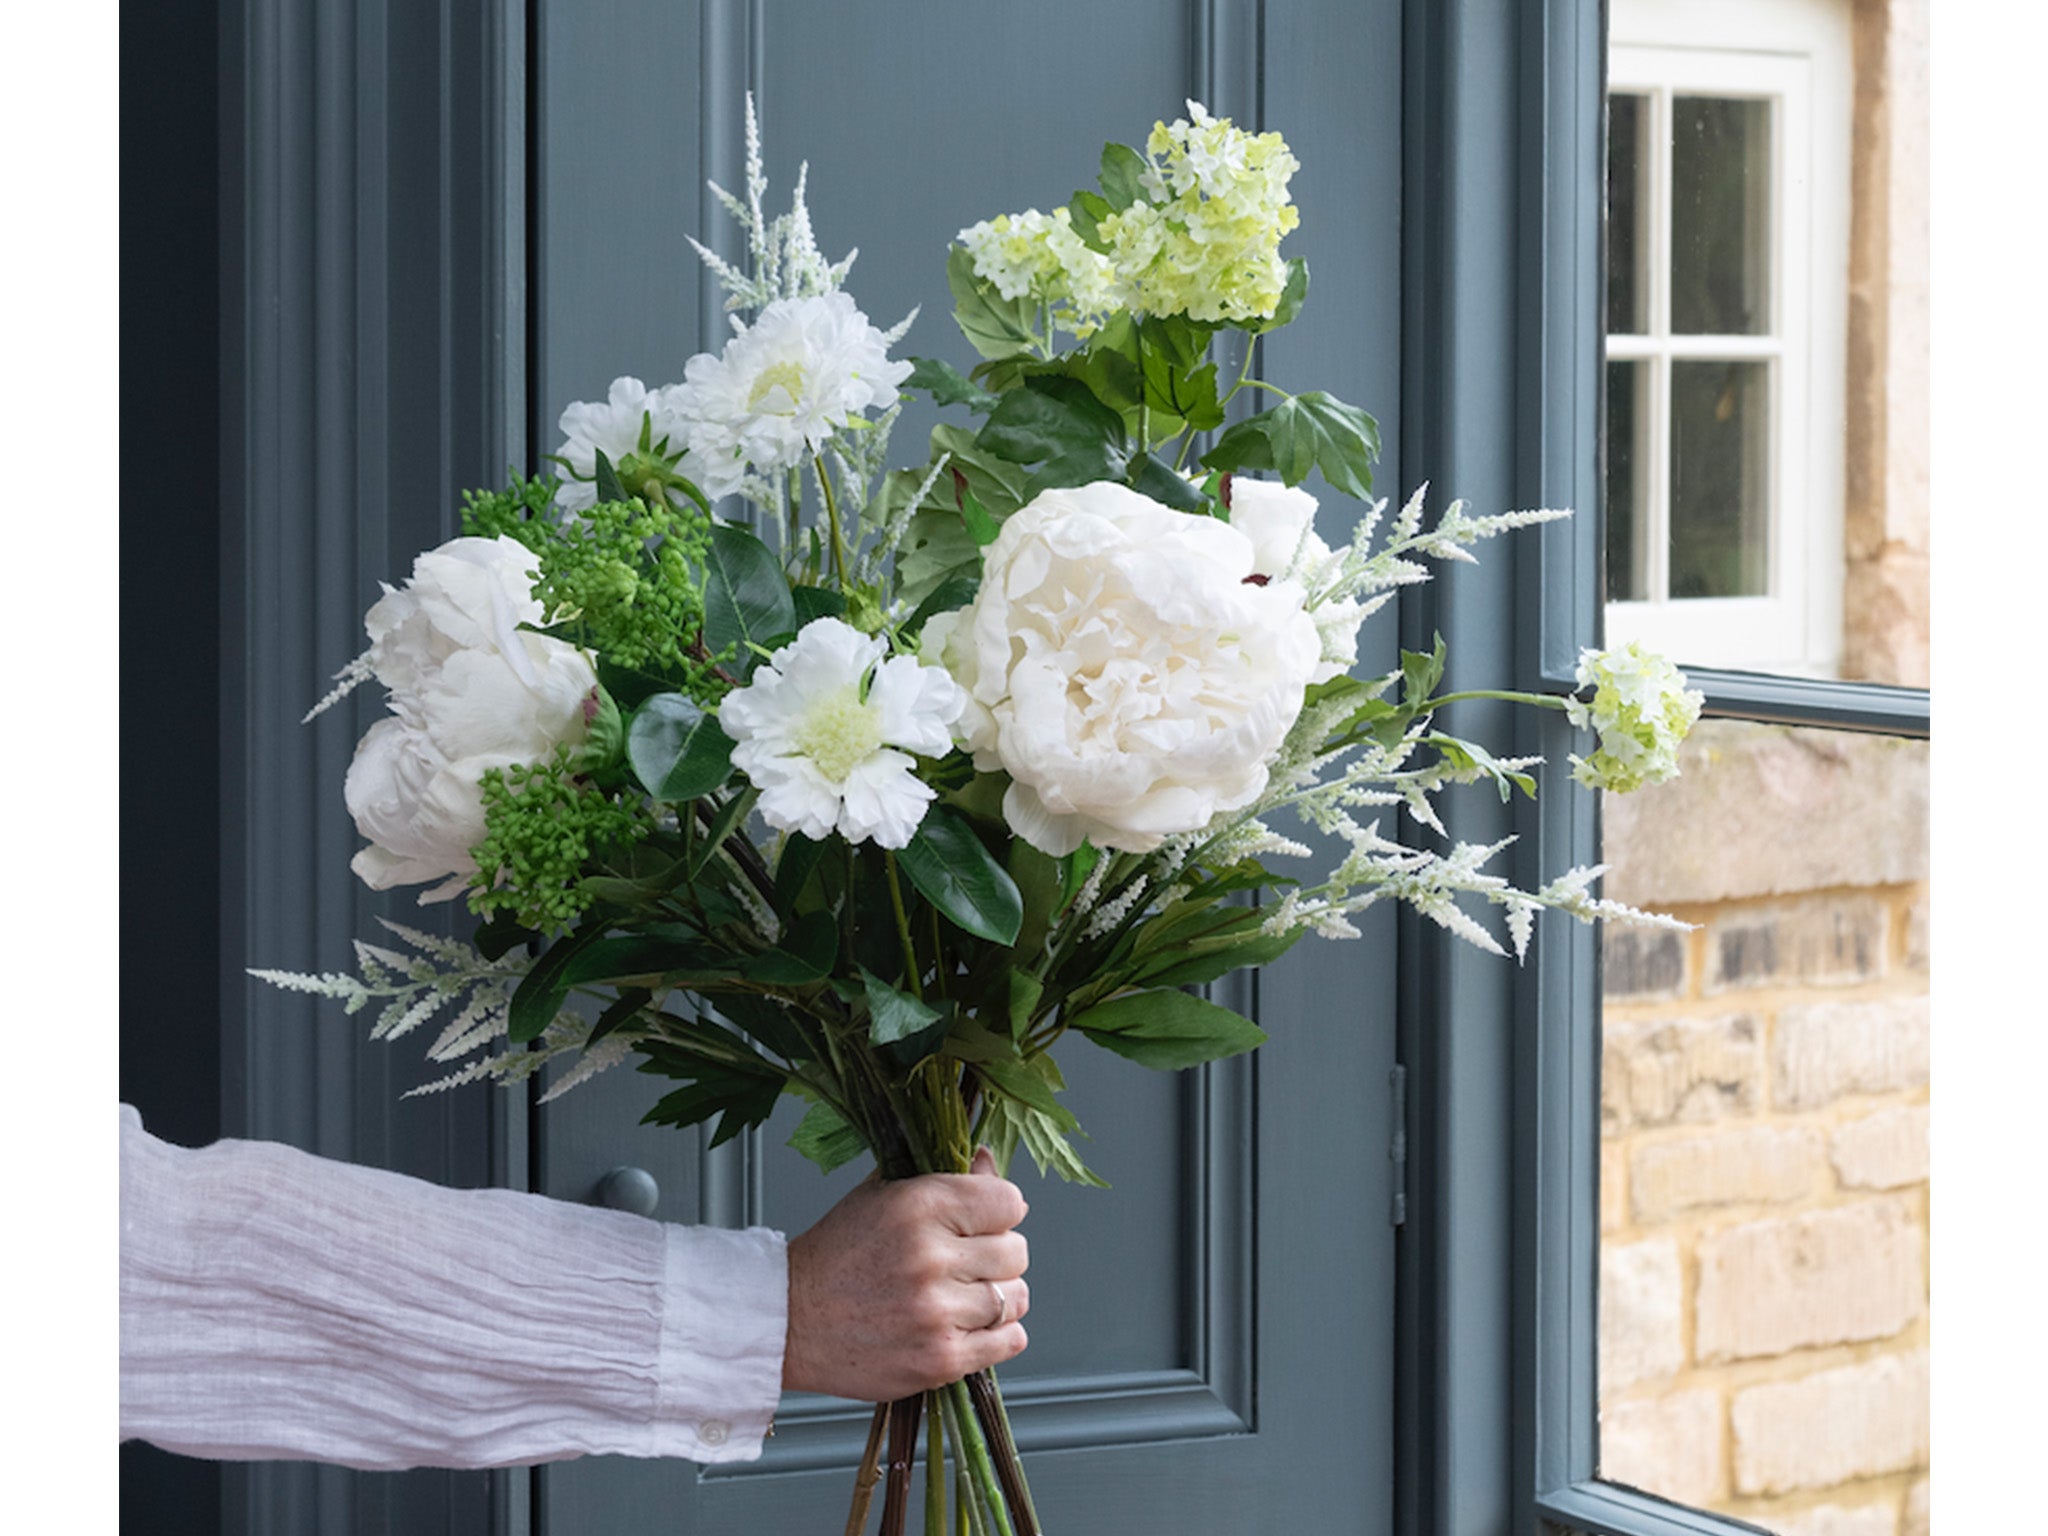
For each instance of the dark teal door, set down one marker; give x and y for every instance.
(1213, 1337)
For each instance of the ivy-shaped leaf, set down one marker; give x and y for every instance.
(993, 325)
(1311, 431)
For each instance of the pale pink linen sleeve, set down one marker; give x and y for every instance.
(280, 1305)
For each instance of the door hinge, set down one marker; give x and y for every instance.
(1397, 1144)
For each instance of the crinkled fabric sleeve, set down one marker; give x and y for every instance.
(280, 1305)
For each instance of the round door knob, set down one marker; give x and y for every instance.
(629, 1189)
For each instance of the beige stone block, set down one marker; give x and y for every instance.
(1641, 963)
(1641, 1305)
(1731, 1165)
(1884, 1150)
(1613, 1189)
(1917, 946)
(1917, 1519)
(1836, 940)
(1823, 1277)
(1670, 1446)
(1862, 1420)
(1839, 1520)
(1824, 1051)
(1768, 810)
(1687, 1071)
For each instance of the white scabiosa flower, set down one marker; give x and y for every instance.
(615, 425)
(1641, 710)
(825, 731)
(785, 384)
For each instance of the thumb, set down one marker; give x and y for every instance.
(984, 1161)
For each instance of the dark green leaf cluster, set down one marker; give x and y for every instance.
(543, 824)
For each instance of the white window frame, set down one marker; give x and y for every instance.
(1795, 54)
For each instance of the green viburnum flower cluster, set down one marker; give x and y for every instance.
(1641, 710)
(1205, 241)
(623, 575)
(1041, 256)
(543, 823)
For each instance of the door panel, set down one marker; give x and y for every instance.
(1212, 1337)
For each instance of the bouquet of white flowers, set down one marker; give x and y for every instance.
(878, 794)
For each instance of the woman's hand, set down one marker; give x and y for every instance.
(908, 1284)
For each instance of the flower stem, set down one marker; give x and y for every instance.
(832, 517)
(934, 1468)
(1009, 1470)
(977, 1458)
(1545, 700)
(869, 1474)
(903, 1415)
(911, 968)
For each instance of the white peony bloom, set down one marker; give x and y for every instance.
(614, 426)
(785, 384)
(470, 691)
(817, 728)
(1280, 520)
(1122, 669)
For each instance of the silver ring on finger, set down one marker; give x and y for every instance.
(1002, 1305)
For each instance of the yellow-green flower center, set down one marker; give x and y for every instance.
(786, 376)
(838, 733)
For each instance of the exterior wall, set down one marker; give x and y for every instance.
(1764, 1195)
(1764, 1315)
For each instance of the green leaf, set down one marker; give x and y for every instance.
(741, 1097)
(894, 1015)
(627, 957)
(953, 592)
(993, 325)
(816, 603)
(1157, 480)
(793, 871)
(948, 385)
(981, 527)
(1167, 1030)
(1470, 760)
(1023, 1082)
(1075, 869)
(538, 997)
(1053, 418)
(499, 934)
(1421, 671)
(746, 600)
(805, 954)
(1025, 991)
(1193, 964)
(676, 748)
(608, 487)
(730, 814)
(1087, 210)
(1122, 178)
(625, 1006)
(767, 1021)
(1311, 431)
(826, 1139)
(956, 874)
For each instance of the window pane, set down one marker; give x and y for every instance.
(1720, 210)
(1720, 487)
(1625, 471)
(1627, 245)
(1764, 1308)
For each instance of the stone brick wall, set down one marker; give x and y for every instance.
(1764, 1196)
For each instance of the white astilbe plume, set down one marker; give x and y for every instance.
(444, 973)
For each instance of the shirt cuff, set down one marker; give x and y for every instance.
(725, 1317)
